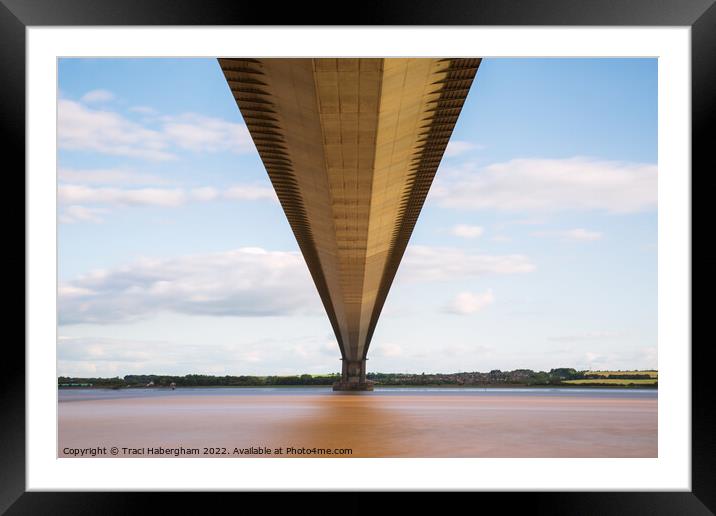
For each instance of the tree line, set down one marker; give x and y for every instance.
(494, 377)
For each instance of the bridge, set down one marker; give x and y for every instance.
(351, 147)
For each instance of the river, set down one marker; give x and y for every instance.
(389, 422)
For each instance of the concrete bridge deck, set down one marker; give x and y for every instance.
(351, 147)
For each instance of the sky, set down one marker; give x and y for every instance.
(536, 247)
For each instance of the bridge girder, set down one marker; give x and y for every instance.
(351, 147)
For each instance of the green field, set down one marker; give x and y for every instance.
(605, 378)
(613, 381)
(653, 374)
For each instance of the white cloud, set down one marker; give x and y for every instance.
(120, 196)
(143, 110)
(578, 234)
(76, 213)
(594, 361)
(466, 303)
(625, 359)
(581, 234)
(466, 231)
(549, 185)
(108, 176)
(108, 356)
(105, 349)
(96, 96)
(590, 336)
(204, 194)
(250, 193)
(387, 349)
(458, 147)
(206, 134)
(424, 263)
(71, 291)
(315, 347)
(167, 197)
(107, 132)
(242, 282)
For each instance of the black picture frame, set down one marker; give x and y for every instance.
(700, 15)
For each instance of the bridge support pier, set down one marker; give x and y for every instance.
(353, 377)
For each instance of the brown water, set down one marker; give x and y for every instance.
(390, 423)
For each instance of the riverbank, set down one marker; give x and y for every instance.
(494, 379)
(591, 385)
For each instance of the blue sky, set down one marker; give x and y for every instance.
(536, 247)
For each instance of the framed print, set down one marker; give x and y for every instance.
(441, 249)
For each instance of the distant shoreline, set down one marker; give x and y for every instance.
(432, 386)
(563, 377)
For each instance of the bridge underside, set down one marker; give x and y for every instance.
(351, 147)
